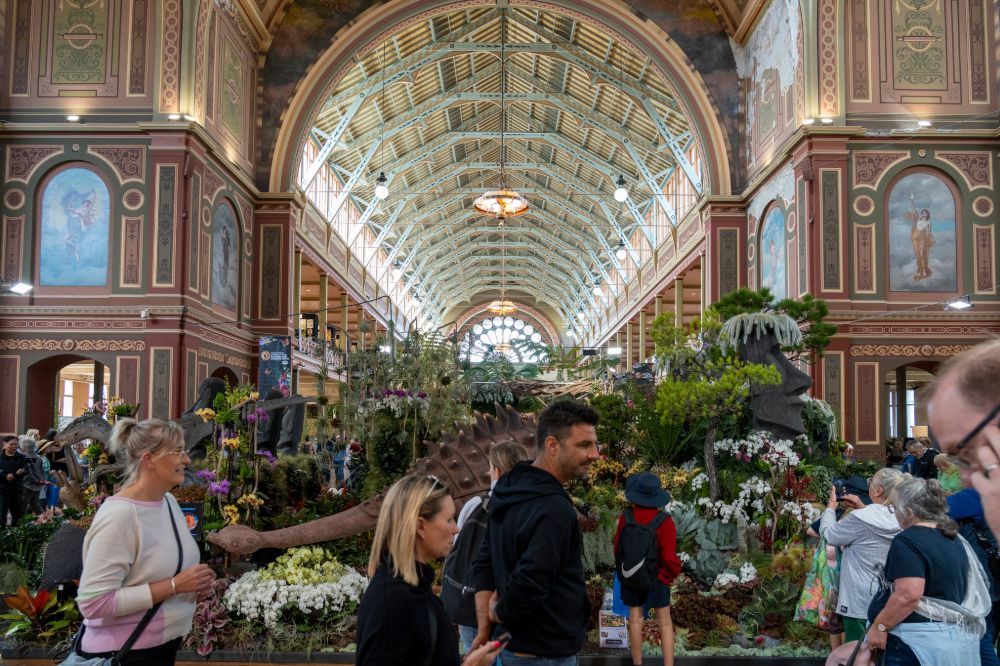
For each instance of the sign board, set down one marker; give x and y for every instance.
(275, 368)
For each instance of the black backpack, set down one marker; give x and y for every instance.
(637, 554)
(457, 593)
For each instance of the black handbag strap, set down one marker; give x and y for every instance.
(147, 618)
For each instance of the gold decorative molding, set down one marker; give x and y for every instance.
(928, 351)
(65, 345)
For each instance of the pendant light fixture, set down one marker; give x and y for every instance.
(620, 252)
(621, 191)
(502, 202)
(382, 183)
(502, 306)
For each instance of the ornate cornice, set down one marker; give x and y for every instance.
(929, 351)
(70, 345)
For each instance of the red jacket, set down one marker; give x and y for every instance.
(669, 564)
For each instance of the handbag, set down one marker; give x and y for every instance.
(818, 603)
(74, 658)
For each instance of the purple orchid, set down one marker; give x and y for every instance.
(206, 475)
(219, 488)
(268, 456)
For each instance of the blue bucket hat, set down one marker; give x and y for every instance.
(644, 489)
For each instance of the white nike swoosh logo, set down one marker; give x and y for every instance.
(628, 573)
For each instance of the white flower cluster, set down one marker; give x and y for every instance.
(763, 445)
(751, 493)
(804, 513)
(683, 557)
(698, 481)
(317, 588)
(399, 405)
(746, 575)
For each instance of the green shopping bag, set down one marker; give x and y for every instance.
(818, 602)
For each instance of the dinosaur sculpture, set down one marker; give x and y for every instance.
(94, 427)
(460, 461)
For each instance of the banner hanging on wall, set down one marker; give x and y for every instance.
(275, 368)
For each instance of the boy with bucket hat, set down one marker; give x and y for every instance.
(646, 561)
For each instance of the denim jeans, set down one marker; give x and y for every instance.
(508, 658)
(466, 635)
(987, 653)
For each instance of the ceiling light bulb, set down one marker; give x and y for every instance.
(598, 291)
(174, 116)
(381, 189)
(73, 118)
(581, 316)
(809, 121)
(621, 194)
(620, 252)
(826, 121)
(924, 123)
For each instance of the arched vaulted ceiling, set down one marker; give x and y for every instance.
(423, 104)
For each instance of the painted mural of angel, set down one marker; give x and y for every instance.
(79, 210)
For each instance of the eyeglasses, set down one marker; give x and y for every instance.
(437, 485)
(964, 442)
(180, 453)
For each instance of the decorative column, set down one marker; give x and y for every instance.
(902, 427)
(628, 346)
(98, 383)
(344, 320)
(679, 301)
(724, 220)
(642, 336)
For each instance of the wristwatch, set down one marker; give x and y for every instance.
(881, 627)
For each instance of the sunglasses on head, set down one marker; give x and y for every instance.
(964, 442)
(436, 485)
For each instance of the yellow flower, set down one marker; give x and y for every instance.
(254, 395)
(206, 414)
(231, 514)
(231, 442)
(250, 500)
(103, 459)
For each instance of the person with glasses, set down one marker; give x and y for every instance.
(963, 412)
(400, 620)
(529, 573)
(130, 553)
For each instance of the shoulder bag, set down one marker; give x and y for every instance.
(74, 658)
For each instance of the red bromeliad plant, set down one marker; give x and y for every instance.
(41, 616)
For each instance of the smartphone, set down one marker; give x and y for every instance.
(503, 639)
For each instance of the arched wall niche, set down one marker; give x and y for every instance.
(772, 249)
(74, 230)
(227, 254)
(699, 64)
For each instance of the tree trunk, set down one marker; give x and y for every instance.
(710, 471)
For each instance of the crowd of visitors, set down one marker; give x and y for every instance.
(917, 574)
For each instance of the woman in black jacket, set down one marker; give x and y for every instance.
(400, 621)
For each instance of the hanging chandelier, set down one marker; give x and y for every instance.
(502, 202)
(502, 306)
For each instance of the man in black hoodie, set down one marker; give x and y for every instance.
(13, 467)
(529, 573)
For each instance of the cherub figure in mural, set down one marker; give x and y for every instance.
(224, 278)
(79, 210)
(922, 238)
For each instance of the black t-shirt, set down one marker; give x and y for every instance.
(924, 467)
(925, 552)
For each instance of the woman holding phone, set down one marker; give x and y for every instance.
(399, 619)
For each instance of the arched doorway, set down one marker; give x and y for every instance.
(224, 373)
(906, 408)
(60, 388)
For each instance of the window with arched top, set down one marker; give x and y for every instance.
(773, 255)
(74, 230)
(513, 337)
(225, 256)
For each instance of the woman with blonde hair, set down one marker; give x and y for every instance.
(399, 619)
(865, 535)
(141, 577)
